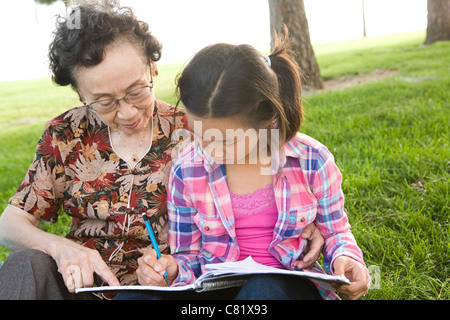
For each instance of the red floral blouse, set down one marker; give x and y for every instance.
(76, 168)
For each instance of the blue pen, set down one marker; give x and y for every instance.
(155, 244)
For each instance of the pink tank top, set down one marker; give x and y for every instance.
(255, 217)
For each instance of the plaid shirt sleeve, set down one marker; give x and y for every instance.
(184, 235)
(331, 219)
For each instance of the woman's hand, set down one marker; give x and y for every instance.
(77, 265)
(151, 270)
(356, 273)
(311, 233)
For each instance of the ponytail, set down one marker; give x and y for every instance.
(224, 80)
(290, 109)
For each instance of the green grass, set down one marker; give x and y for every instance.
(390, 140)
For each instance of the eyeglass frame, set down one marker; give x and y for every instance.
(124, 98)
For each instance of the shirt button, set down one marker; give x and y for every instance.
(302, 219)
(129, 211)
(207, 228)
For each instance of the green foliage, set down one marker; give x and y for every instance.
(389, 138)
(46, 1)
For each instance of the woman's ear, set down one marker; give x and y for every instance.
(154, 69)
(82, 100)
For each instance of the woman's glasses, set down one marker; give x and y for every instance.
(136, 97)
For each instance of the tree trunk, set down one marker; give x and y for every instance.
(438, 21)
(292, 14)
(364, 19)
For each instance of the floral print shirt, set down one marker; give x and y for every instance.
(75, 168)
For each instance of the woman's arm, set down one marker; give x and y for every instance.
(19, 230)
(77, 264)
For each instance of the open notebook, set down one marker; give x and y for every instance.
(226, 275)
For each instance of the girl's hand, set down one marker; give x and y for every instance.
(151, 270)
(311, 233)
(356, 273)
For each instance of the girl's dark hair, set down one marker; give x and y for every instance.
(224, 80)
(82, 42)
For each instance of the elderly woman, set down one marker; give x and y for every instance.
(105, 163)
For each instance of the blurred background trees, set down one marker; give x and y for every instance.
(292, 14)
(438, 28)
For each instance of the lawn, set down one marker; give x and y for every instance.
(389, 138)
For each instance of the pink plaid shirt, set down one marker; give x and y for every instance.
(308, 190)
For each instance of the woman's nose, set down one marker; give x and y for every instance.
(126, 110)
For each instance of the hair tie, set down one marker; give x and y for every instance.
(269, 62)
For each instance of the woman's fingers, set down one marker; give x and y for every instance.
(103, 271)
(78, 266)
(316, 241)
(73, 278)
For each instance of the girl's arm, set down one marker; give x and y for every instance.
(342, 255)
(331, 218)
(184, 235)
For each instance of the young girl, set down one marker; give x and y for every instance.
(227, 202)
